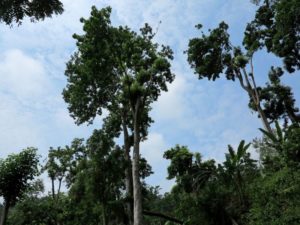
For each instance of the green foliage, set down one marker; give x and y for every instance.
(276, 26)
(113, 64)
(209, 193)
(286, 143)
(277, 99)
(15, 173)
(121, 71)
(16, 10)
(276, 198)
(34, 211)
(210, 55)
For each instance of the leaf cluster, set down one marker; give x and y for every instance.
(14, 11)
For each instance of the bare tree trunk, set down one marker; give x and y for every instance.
(128, 174)
(4, 212)
(53, 188)
(137, 194)
(253, 93)
(263, 118)
(59, 186)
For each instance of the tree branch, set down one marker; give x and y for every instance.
(253, 80)
(161, 215)
(240, 77)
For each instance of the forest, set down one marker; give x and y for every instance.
(119, 73)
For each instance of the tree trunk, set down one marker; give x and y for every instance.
(53, 188)
(59, 187)
(137, 194)
(5, 212)
(253, 92)
(128, 174)
(264, 118)
(104, 216)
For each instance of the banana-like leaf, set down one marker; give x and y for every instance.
(271, 136)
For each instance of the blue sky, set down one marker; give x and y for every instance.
(205, 116)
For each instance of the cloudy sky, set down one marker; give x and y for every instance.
(205, 116)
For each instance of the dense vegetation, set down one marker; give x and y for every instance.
(123, 72)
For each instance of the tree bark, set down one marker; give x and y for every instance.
(5, 212)
(137, 194)
(264, 118)
(128, 173)
(253, 93)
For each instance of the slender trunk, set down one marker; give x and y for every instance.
(53, 188)
(5, 212)
(137, 194)
(104, 216)
(264, 118)
(59, 186)
(53, 197)
(128, 173)
(253, 92)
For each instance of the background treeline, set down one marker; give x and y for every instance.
(123, 72)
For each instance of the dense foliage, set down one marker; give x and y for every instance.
(14, 11)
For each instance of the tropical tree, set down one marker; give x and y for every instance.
(239, 167)
(61, 164)
(211, 55)
(275, 27)
(115, 66)
(15, 173)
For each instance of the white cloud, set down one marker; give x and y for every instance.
(18, 128)
(171, 104)
(22, 76)
(153, 149)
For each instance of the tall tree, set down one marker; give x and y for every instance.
(15, 173)
(275, 27)
(16, 10)
(119, 121)
(116, 66)
(211, 55)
